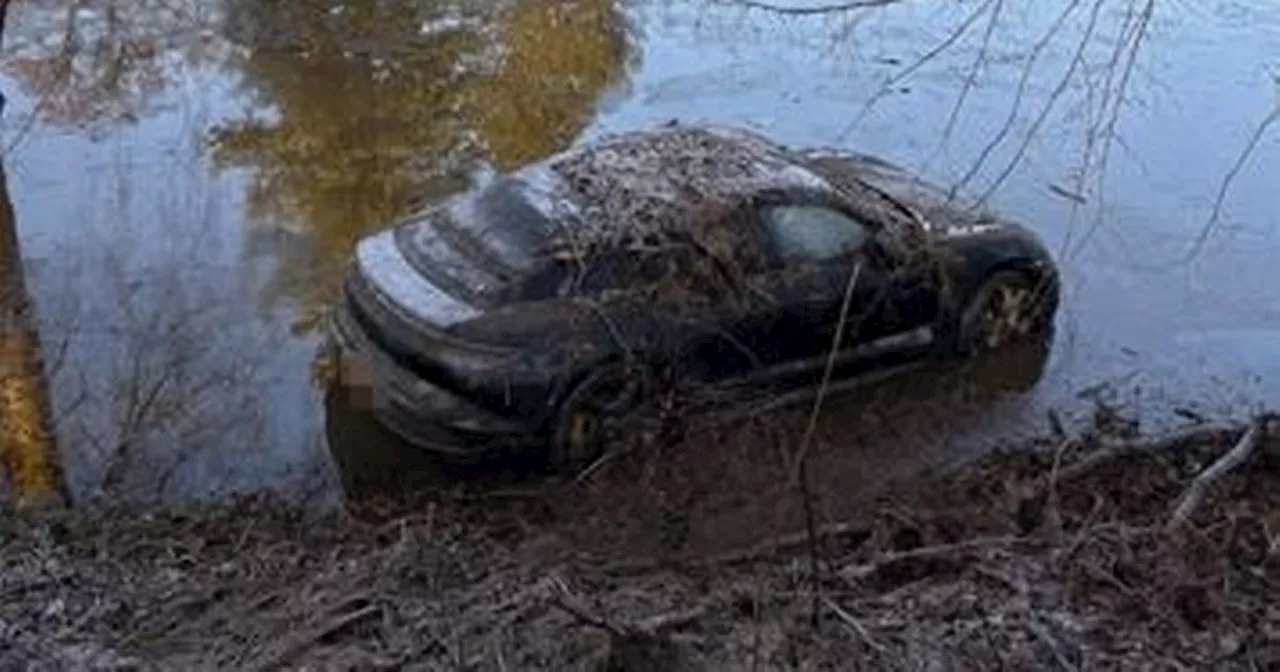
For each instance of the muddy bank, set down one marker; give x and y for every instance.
(1053, 558)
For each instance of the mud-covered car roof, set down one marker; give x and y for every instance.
(668, 179)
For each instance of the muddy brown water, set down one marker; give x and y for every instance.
(188, 178)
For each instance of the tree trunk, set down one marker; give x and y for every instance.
(28, 449)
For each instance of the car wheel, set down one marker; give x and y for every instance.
(1016, 369)
(1006, 310)
(592, 417)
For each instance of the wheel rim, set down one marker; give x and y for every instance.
(597, 421)
(1006, 316)
(584, 436)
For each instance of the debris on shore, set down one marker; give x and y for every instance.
(1089, 553)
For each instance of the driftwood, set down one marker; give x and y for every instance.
(1243, 450)
(1121, 449)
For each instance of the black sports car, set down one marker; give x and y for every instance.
(533, 311)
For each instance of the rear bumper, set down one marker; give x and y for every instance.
(424, 415)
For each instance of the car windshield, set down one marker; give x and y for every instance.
(893, 202)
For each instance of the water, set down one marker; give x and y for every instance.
(189, 177)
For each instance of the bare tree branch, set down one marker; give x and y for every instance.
(1219, 201)
(969, 81)
(814, 9)
(1107, 132)
(1021, 90)
(1054, 96)
(953, 37)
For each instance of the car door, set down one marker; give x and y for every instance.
(816, 252)
(823, 254)
(787, 319)
(913, 284)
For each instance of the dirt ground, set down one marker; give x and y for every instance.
(1057, 555)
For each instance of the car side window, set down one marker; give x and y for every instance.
(618, 270)
(813, 232)
(608, 271)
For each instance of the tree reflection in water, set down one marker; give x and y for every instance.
(379, 106)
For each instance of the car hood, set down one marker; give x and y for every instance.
(959, 227)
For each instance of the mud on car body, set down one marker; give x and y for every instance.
(528, 313)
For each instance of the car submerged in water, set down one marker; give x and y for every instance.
(532, 312)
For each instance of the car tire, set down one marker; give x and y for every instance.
(591, 417)
(1016, 369)
(1006, 310)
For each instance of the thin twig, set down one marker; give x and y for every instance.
(928, 552)
(969, 81)
(801, 463)
(563, 604)
(1053, 513)
(1042, 633)
(1057, 92)
(1023, 82)
(836, 341)
(595, 466)
(768, 547)
(854, 624)
(1104, 129)
(671, 620)
(885, 88)
(1241, 160)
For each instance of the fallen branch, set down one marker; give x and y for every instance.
(863, 571)
(1116, 451)
(300, 644)
(1195, 493)
(772, 546)
(814, 9)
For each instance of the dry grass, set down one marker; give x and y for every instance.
(979, 568)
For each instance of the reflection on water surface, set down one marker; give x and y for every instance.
(189, 177)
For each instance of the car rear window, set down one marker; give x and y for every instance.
(480, 243)
(502, 221)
